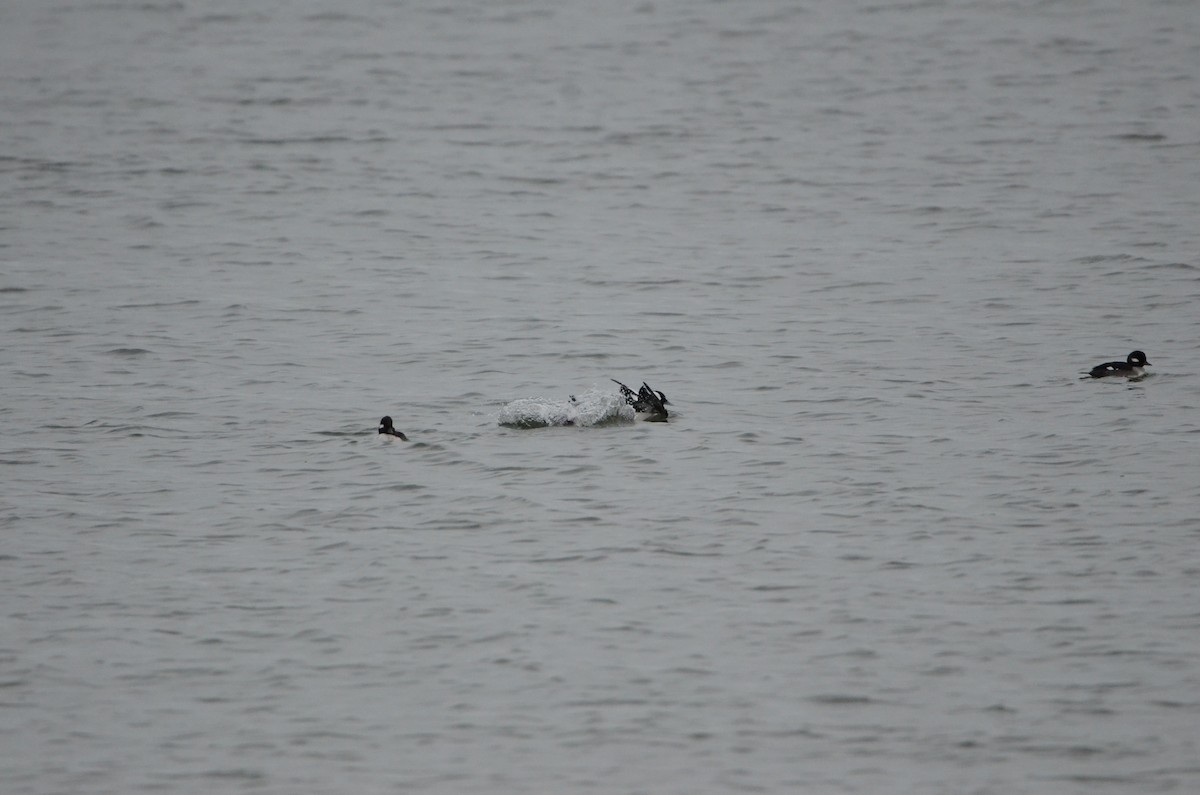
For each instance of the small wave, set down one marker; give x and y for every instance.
(590, 408)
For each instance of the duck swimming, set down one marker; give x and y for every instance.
(646, 401)
(386, 427)
(1132, 367)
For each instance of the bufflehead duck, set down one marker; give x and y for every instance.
(1130, 368)
(646, 401)
(385, 427)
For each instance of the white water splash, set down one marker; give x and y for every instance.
(593, 407)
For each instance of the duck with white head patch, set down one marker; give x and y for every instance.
(1132, 367)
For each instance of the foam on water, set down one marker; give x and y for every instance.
(593, 407)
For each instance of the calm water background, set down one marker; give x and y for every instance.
(889, 541)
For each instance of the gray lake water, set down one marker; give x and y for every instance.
(888, 542)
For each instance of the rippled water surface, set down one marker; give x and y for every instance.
(889, 541)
